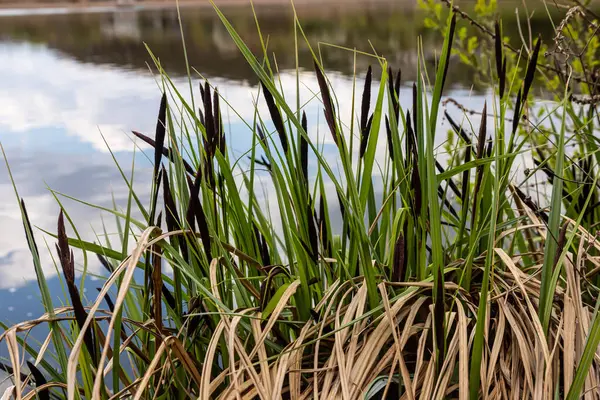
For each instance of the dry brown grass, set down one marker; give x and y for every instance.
(349, 347)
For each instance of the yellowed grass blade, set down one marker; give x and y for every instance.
(13, 351)
(8, 393)
(397, 345)
(127, 267)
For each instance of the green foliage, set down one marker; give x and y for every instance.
(267, 277)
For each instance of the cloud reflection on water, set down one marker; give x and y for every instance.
(54, 113)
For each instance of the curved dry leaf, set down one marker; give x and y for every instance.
(127, 267)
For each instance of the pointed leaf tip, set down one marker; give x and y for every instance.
(327, 102)
(275, 117)
(160, 133)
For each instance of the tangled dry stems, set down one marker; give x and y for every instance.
(349, 348)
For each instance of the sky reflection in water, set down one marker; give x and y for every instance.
(63, 103)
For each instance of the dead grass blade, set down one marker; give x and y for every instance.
(126, 268)
(13, 351)
(346, 347)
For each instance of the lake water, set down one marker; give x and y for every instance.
(74, 85)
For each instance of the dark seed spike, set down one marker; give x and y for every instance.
(312, 233)
(413, 138)
(364, 139)
(390, 139)
(397, 83)
(323, 227)
(161, 129)
(220, 135)
(216, 112)
(275, 117)
(490, 147)
(63, 249)
(259, 241)
(209, 121)
(399, 259)
(203, 228)
(322, 213)
(416, 186)
(209, 148)
(517, 114)
(211, 134)
(478, 181)
(264, 293)
(458, 129)
(466, 176)
(201, 90)
(27, 226)
(451, 38)
(482, 131)
(201, 115)
(39, 379)
(410, 144)
(391, 91)
(159, 219)
(260, 244)
(189, 216)
(67, 261)
(261, 134)
(167, 152)
(503, 78)
(264, 252)
(171, 215)
(366, 101)
(415, 108)
(108, 266)
(197, 213)
(327, 103)
(156, 286)
(304, 122)
(224, 202)
(108, 300)
(451, 183)
(155, 197)
(446, 202)
(499, 60)
(531, 67)
(304, 149)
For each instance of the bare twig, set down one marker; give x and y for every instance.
(508, 46)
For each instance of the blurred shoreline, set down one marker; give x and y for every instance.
(115, 5)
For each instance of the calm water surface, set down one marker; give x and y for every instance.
(73, 84)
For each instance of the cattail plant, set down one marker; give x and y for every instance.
(445, 276)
